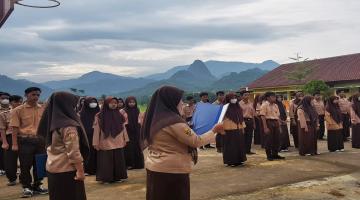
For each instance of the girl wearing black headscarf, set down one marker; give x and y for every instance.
(333, 118)
(133, 152)
(87, 116)
(171, 145)
(109, 140)
(308, 123)
(67, 147)
(234, 148)
(284, 135)
(355, 120)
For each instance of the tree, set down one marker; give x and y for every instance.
(317, 85)
(301, 70)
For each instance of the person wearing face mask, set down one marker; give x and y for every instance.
(355, 119)
(4, 109)
(234, 145)
(10, 156)
(24, 122)
(133, 153)
(87, 116)
(308, 123)
(109, 140)
(171, 145)
(67, 147)
(293, 118)
(333, 118)
(270, 116)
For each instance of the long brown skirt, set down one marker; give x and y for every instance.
(234, 147)
(167, 186)
(335, 140)
(111, 166)
(284, 137)
(356, 136)
(307, 140)
(62, 186)
(257, 130)
(294, 132)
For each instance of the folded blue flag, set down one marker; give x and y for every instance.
(40, 162)
(205, 116)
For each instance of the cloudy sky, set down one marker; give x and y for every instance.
(140, 37)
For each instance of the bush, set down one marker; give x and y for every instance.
(317, 85)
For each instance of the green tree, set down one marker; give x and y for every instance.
(301, 70)
(317, 85)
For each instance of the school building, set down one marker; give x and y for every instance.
(340, 73)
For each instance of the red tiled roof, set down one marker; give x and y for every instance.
(334, 69)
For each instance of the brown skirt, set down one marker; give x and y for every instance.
(356, 136)
(307, 140)
(335, 140)
(294, 132)
(111, 166)
(257, 130)
(62, 186)
(167, 186)
(234, 148)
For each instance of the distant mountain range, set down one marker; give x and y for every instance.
(219, 68)
(210, 76)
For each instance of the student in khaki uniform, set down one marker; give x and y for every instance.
(10, 156)
(109, 140)
(258, 132)
(270, 116)
(249, 118)
(171, 146)
(320, 109)
(24, 122)
(234, 145)
(333, 118)
(67, 147)
(355, 120)
(189, 109)
(4, 107)
(292, 114)
(345, 105)
(308, 125)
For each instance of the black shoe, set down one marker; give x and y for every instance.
(11, 183)
(219, 150)
(277, 157)
(40, 190)
(27, 193)
(270, 158)
(250, 153)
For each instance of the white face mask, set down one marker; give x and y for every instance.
(233, 101)
(93, 105)
(5, 102)
(358, 98)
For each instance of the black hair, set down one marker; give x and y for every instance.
(5, 93)
(15, 98)
(316, 92)
(220, 93)
(269, 94)
(203, 94)
(188, 98)
(32, 89)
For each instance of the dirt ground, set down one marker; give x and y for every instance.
(325, 177)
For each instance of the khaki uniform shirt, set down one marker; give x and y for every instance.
(5, 121)
(169, 151)
(248, 109)
(108, 143)
(270, 111)
(355, 119)
(331, 123)
(64, 151)
(26, 118)
(344, 105)
(319, 107)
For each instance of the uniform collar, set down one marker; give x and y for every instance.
(29, 106)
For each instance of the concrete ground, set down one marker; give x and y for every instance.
(325, 177)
